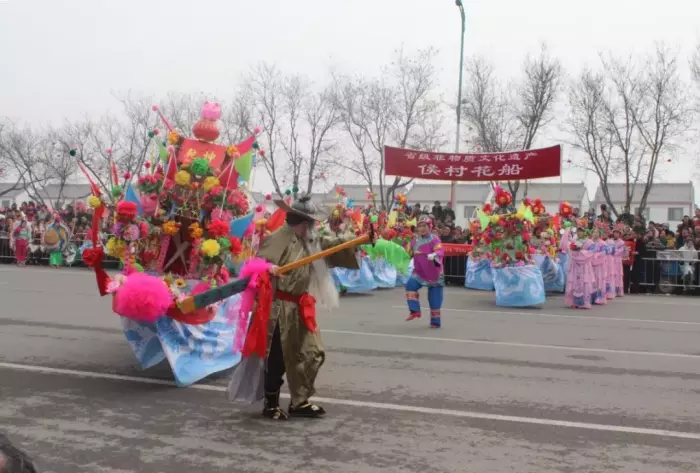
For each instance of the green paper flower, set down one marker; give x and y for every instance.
(116, 190)
(72, 152)
(200, 167)
(224, 243)
(151, 134)
(288, 192)
(295, 189)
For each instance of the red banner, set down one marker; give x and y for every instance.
(455, 249)
(511, 166)
(191, 149)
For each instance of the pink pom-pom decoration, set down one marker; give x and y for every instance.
(154, 108)
(149, 204)
(268, 196)
(171, 149)
(142, 298)
(156, 131)
(109, 151)
(259, 208)
(257, 130)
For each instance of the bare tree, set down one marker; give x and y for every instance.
(625, 116)
(21, 153)
(508, 117)
(399, 108)
(297, 121)
(695, 65)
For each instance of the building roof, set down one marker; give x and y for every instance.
(426, 194)
(555, 191)
(5, 186)
(682, 193)
(70, 191)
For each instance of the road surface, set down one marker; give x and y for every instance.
(615, 388)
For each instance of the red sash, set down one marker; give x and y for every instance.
(307, 307)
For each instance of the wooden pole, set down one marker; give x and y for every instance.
(227, 290)
(363, 240)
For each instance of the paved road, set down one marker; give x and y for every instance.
(549, 390)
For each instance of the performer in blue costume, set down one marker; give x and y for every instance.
(428, 253)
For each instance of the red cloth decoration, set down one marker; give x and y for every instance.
(256, 340)
(276, 220)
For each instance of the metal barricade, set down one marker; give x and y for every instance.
(671, 271)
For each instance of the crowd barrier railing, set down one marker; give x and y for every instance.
(671, 271)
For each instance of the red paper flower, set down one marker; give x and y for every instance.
(236, 245)
(127, 211)
(218, 228)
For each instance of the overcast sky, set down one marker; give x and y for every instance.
(64, 58)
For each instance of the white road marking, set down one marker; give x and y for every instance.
(375, 405)
(514, 344)
(563, 316)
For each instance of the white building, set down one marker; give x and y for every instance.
(666, 203)
(10, 195)
(58, 195)
(467, 198)
(552, 193)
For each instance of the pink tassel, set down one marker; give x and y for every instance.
(251, 270)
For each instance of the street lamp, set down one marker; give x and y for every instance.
(459, 93)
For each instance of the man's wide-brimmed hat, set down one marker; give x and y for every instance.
(304, 208)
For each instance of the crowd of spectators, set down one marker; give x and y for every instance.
(443, 218)
(76, 217)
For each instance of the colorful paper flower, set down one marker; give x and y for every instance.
(94, 202)
(127, 211)
(218, 228)
(173, 138)
(171, 228)
(195, 231)
(209, 183)
(210, 248)
(183, 178)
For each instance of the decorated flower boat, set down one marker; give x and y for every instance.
(179, 226)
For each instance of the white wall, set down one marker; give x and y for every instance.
(658, 213)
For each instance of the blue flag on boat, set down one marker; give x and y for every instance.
(130, 196)
(240, 225)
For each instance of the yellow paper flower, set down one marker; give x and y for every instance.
(180, 283)
(210, 248)
(94, 202)
(111, 245)
(171, 228)
(182, 178)
(173, 137)
(209, 183)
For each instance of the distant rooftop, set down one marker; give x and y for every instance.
(682, 193)
(554, 191)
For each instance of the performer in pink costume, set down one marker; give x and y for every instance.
(610, 273)
(580, 280)
(596, 246)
